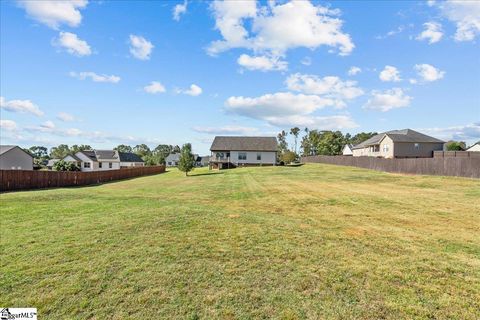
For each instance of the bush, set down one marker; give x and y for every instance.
(62, 165)
(288, 157)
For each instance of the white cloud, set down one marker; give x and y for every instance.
(154, 87)
(388, 100)
(390, 73)
(95, 77)
(354, 70)
(306, 61)
(193, 91)
(433, 32)
(469, 132)
(53, 13)
(309, 26)
(276, 104)
(329, 87)
(48, 125)
(65, 117)
(8, 125)
(428, 72)
(391, 33)
(227, 130)
(21, 106)
(178, 10)
(262, 63)
(140, 47)
(323, 123)
(74, 45)
(286, 108)
(465, 15)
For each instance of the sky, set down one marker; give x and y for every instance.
(105, 73)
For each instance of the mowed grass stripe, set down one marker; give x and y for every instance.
(316, 241)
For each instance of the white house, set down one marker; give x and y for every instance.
(475, 147)
(231, 152)
(15, 158)
(101, 160)
(130, 159)
(347, 150)
(172, 159)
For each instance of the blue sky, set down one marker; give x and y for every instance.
(105, 73)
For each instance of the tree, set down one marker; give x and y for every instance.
(161, 152)
(62, 165)
(123, 148)
(59, 152)
(142, 150)
(75, 148)
(39, 154)
(186, 162)
(176, 149)
(295, 131)
(455, 146)
(150, 160)
(288, 157)
(331, 143)
(310, 142)
(282, 142)
(360, 137)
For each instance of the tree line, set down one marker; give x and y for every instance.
(316, 142)
(151, 157)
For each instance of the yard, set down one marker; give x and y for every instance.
(309, 242)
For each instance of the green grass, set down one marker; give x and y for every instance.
(308, 242)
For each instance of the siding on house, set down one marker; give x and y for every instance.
(14, 158)
(266, 157)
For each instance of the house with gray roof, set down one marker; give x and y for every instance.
(100, 160)
(405, 143)
(15, 158)
(231, 152)
(172, 159)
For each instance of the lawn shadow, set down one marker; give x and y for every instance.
(206, 174)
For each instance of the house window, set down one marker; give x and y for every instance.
(110, 165)
(100, 164)
(242, 156)
(220, 155)
(385, 148)
(169, 163)
(416, 146)
(259, 156)
(86, 164)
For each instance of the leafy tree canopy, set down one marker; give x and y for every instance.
(455, 146)
(186, 162)
(123, 148)
(62, 165)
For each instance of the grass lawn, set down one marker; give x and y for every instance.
(310, 242)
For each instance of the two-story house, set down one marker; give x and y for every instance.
(405, 143)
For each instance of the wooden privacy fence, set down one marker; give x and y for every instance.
(26, 179)
(446, 166)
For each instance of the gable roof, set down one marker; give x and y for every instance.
(129, 157)
(73, 156)
(173, 157)
(90, 154)
(223, 143)
(106, 155)
(405, 135)
(6, 148)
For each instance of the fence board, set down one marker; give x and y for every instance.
(11, 180)
(442, 165)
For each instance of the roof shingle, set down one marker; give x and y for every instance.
(223, 143)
